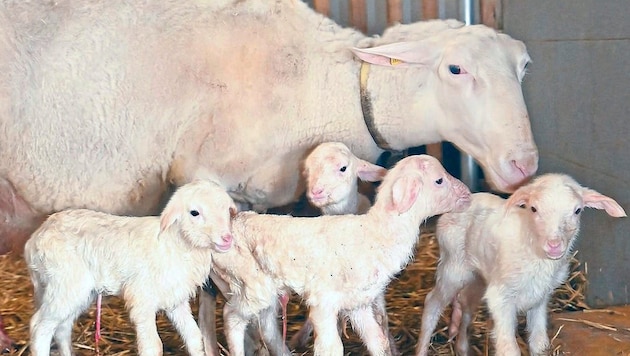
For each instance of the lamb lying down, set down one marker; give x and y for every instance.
(331, 171)
(340, 263)
(513, 253)
(153, 263)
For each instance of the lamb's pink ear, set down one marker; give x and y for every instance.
(405, 191)
(519, 197)
(369, 172)
(595, 200)
(399, 54)
(170, 215)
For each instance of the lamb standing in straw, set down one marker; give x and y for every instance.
(153, 263)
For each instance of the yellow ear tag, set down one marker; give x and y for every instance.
(394, 61)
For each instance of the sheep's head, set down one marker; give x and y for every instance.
(203, 212)
(555, 203)
(331, 173)
(421, 183)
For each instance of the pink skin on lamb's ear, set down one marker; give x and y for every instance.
(595, 200)
(169, 216)
(405, 192)
(400, 54)
(369, 172)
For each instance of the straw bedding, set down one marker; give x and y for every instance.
(405, 297)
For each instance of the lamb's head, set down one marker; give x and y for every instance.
(331, 171)
(202, 213)
(553, 204)
(434, 62)
(421, 185)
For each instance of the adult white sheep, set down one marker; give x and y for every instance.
(513, 253)
(336, 263)
(103, 104)
(153, 263)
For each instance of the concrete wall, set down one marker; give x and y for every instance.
(578, 94)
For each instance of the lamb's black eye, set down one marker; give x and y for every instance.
(522, 206)
(455, 69)
(534, 209)
(578, 211)
(439, 181)
(194, 212)
(343, 169)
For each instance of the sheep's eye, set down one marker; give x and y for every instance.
(343, 169)
(439, 181)
(194, 212)
(534, 209)
(522, 206)
(455, 69)
(232, 212)
(578, 211)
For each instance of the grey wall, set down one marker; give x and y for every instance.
(578, 94)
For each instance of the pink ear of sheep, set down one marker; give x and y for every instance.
(596, 200)
(369, 172)
(400, 54)
(169, 216)
(405, 192)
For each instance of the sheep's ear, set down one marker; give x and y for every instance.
(518, 198)
(400, 54)
(595, 200)
(405, 191)
(369, 172)
(169, 216)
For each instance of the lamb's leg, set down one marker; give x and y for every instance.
(43, 326)
(537, 328)
(271, 333)
(235, 325)
(380, 312)
(207, 318)
(448, 282)
(301, 338)
(143, 317)
(182, 319)
(365, 324)
(284, 300)
(63, 336)
(503, 313)
(468, 301)
(327, 340)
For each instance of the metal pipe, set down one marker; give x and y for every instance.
(470, 171)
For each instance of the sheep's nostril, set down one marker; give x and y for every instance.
(227, 238)
(554, 244)
(315, 191)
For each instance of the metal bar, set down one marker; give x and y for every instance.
(470, 172)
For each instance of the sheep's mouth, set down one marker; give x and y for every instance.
(555, 254)
(225, 247)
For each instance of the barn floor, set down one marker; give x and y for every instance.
(594, 331)
(575, 331)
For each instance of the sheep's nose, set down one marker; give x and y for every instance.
(315, 191)
(227, 238)
(554, 243)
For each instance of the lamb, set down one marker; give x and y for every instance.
(331, 171)
(154, 263)
(339, 263)
(513, 253)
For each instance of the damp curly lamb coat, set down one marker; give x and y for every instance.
(153, 263)
(108, 103)
(335, 263)
(511, 253)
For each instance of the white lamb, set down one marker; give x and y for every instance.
(331, 171)
(153, 263)
(513, 253)
(339, 263)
